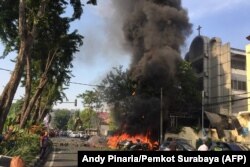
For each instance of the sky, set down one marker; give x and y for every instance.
(226, 19)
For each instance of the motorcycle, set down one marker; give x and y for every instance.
(139, 147)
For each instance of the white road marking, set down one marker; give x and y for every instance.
(53, 158)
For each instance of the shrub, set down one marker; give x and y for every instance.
(21, 143)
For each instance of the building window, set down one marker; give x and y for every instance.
(238, 65)
(239, 85)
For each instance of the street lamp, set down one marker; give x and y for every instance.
(161, 121)
(248, 71)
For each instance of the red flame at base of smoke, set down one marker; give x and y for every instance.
(114, 140)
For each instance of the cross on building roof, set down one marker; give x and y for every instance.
(199, 30)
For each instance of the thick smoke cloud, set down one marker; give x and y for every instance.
(154, 31)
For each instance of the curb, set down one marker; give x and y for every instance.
(39, 163)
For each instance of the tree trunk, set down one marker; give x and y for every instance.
(9, 91)
(35, 115)
(27, 86)
(33, 100)
(43, 113)
(26, 41)
(43, 81)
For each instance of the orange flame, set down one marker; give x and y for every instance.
(114, 140)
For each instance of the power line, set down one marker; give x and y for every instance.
(93, 85)
(4, 69)
(77, 83)
(227, 101)
(232, 95)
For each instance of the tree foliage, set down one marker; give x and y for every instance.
(116, 86)
(61, 119)
(39, 30)
(89, 118)
(189, 96)
(53, 58)
(91, 99)
(132, 101)
(117, 90)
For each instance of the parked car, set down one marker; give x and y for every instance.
(74, 134)
(180, 146)
(224, 146)
(84, 136)
(63, 133)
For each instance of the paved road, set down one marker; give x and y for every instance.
(65, 152)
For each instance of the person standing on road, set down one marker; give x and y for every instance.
(44, 142)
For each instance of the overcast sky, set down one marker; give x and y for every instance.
(227, 19)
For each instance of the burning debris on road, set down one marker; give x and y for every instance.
(133, 143)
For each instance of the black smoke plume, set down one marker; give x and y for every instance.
(154, 31)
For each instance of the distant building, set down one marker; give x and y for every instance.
(221, 70)
(104, 123)
(224, 76)
(104, 117)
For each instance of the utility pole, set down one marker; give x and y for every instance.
(247, 69)
(202, 115)
(161, 121)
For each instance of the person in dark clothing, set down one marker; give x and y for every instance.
(44, 140)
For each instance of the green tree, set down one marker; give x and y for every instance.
(190, 96)
(13, 116)
(61, 119)
(117, 90)
(117, 85)
(89, 118)
(92, 102)
(55, 55)
(70, 124)
(21, 23)
(75, 121)
(91, 99)
(52, 93)
(127, 97)
(17, 33)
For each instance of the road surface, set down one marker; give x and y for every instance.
(65, 152)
